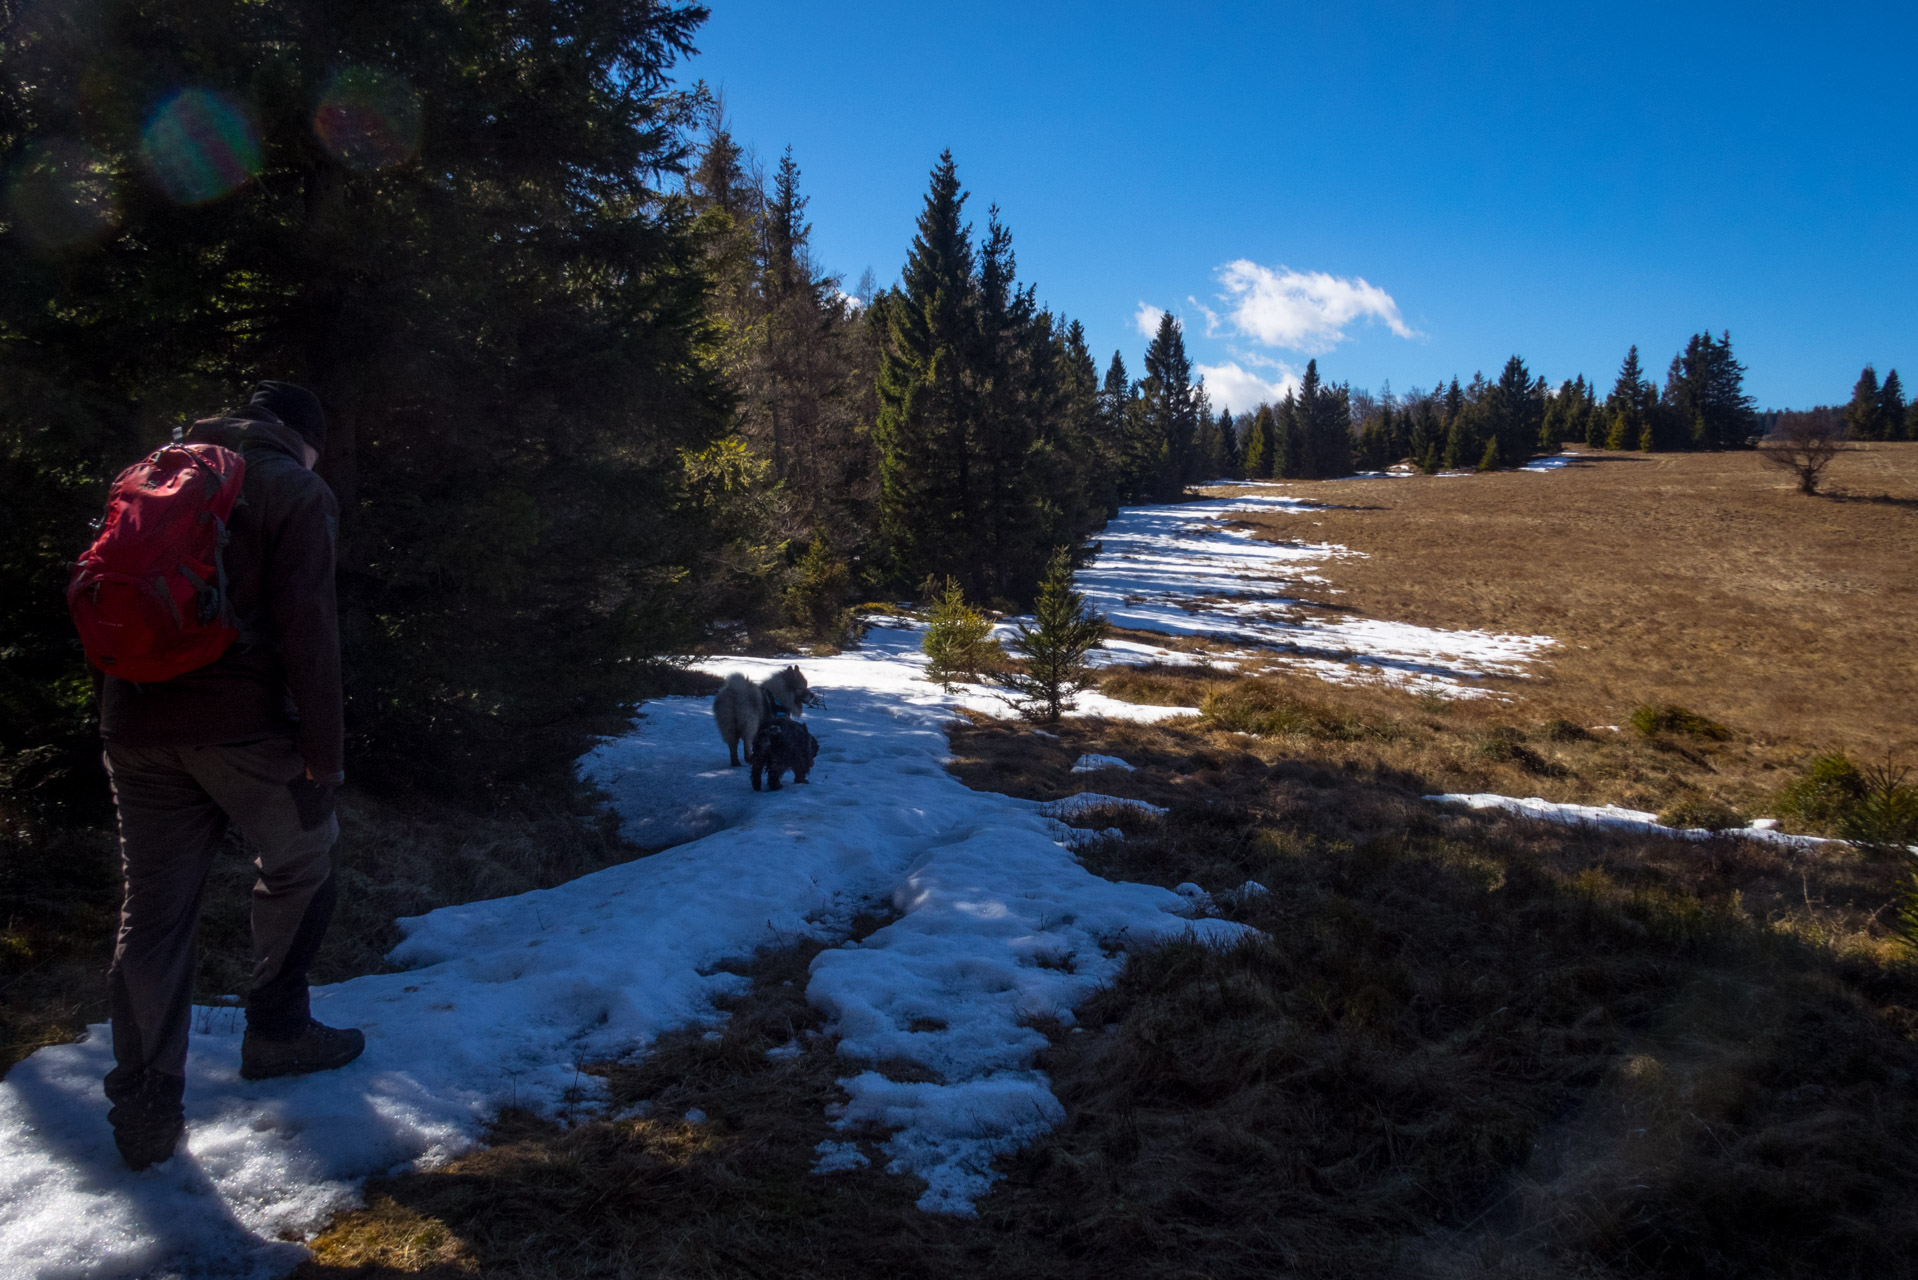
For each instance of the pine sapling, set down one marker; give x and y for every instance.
(959, 639)
(1055, 650)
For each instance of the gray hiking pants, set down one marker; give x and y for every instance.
(175, 804)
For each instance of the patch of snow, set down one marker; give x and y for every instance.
(950, 1134)
(1073, 806)
(1090, 763)
(1190, 570)
(1614, 818)
(695, 1116)
(501, 1001)
(839, 1157)
(1552, 463)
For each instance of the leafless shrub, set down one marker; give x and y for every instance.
(1804, 443)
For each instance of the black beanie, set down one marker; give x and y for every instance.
(296, 407)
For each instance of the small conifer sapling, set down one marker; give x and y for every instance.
(958, 641)
(1055, 650)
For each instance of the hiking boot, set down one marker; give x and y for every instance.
(148, 1120)
(316, 1048)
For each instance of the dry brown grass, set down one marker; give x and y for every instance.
(1701, 579)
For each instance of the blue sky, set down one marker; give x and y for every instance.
(1403, 191)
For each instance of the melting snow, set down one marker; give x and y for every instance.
(1188, 570)
(1614, 818)
(1090, 763)
(501, 1001)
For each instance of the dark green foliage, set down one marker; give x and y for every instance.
(926, 331)
(505, 321)
(1824, 794)
(1705, 405)
(1670, 718)
(1514, 412)
(820, 586)
(1568, 416)
(1314, 430)
(1885, 815)
(1892, 409)
(801, 361)
(1055, 650)
(974, 386)
(1702, 812)
(1865, 415)
(1260, 445)
(958, 639)
(1630, 407)
(1489, 460)
(1426, 442)
(1161, 421)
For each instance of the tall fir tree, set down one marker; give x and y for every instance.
(1891, 406)
(1864, 415)
(1426, 441)
(1230, 463)
(1626, 406)
(927, 513)
(1705, 404)
(1515, 412)
(1168, 421)
(1257, 464)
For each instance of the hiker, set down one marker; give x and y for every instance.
(252, 739)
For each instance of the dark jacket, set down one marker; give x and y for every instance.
(283, 675)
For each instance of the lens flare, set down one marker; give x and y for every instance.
(368, 119)
(199, 145)
(61, 195)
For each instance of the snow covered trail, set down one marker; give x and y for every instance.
(502, 1000)
(1185, 570)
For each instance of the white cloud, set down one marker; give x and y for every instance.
(1234, 387)
(1147, 318)
(1302, 310)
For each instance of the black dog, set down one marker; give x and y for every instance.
(782, 744)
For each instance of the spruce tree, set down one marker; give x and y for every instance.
(1891, 406)
(1863, 416)
(1630, 425)
(1421, 437)
(927, 513)
(1231, 463)
(1288, 440)
(1168, 412)
(1056, 649)
(484, 279)
(1258, 445)
(958, 642)
(1704, 403)
(1515, 408)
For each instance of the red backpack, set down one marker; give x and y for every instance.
(149, 596)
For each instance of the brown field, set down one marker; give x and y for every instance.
(1702, 579)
